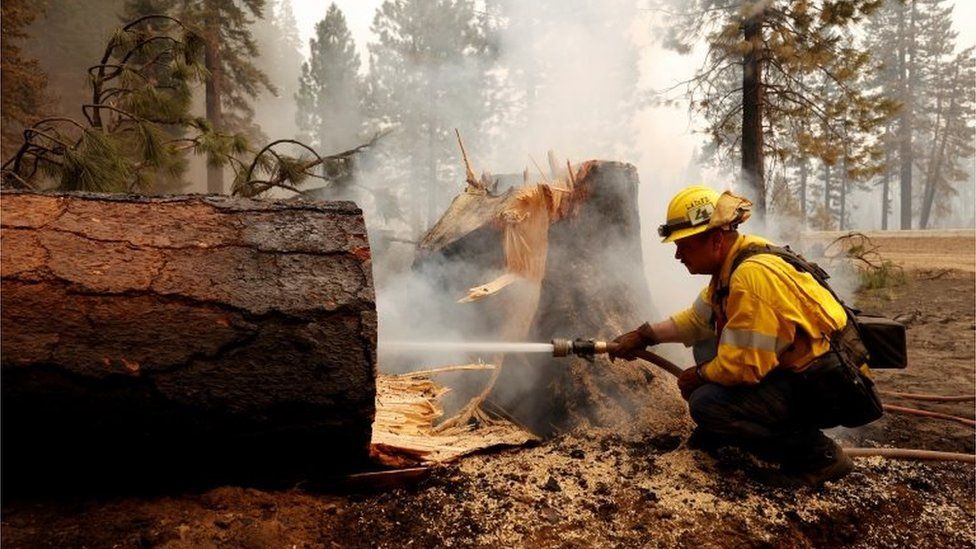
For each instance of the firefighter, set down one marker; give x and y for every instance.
(767, 377)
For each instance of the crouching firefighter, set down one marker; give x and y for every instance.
(778, 355)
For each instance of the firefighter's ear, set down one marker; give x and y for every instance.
(716, 240)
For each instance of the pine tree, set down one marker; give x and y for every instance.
(281, 59)
(22, 81)
(760, 89)
(921, 70)
(141, 86)
(330, 91)
(427, 76)
(234, 78)
(137, 125)
(952, 134)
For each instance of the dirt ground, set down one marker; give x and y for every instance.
(631, 485)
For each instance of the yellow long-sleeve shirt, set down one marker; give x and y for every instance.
(775, 317)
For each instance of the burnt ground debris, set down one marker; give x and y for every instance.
(632, 485)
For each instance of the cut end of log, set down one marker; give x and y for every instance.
(239, 332)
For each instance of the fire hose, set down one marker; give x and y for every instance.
(588, 348)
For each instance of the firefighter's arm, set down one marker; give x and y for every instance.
(754, 334)
(692, 324)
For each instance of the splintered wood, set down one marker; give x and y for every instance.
(404, 433)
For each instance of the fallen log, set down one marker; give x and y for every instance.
(184, 337)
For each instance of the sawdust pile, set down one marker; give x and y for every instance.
(404, 431)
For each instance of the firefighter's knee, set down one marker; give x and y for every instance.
(708, 406)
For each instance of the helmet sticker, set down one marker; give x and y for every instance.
(700, 214)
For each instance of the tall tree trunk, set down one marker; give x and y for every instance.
(907, 74)
(843, 193)
(935, 165)
(885, 189)
(803, 190)
(752, 99)
(214, 89)
(927, 189)
(827, 208)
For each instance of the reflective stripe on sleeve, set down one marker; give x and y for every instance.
(753, 340)
(702, 309)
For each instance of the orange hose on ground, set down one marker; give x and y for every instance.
(910, 453)
(925, 413)
(934, 398)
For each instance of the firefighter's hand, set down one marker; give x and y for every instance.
(689, 380)
(627, 345)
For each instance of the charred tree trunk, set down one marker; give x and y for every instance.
(184, 338)
(752, 100)
(593, 286)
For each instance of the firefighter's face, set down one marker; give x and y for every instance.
(701, 253)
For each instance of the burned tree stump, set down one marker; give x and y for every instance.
(592, 285)
(191, 337)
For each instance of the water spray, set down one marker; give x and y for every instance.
(559, 347)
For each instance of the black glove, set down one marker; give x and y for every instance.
(625, 346)
(690, 380)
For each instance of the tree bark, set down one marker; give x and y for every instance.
(212, 61)
(752, 100)
(188, 338)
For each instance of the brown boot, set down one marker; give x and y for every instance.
(834, 465)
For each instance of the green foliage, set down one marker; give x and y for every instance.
(814, 98)
(225, 25)
(873, 270)
(95, 164)
(134, 122)
(885, 275)
(137, 129)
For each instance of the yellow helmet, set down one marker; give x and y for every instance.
(697, 209)
(688, 213)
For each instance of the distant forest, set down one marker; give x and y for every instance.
(822, 110)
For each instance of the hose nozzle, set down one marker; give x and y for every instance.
(585, 348)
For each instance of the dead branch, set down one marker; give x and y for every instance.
(468, 171)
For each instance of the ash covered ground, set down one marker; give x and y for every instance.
(631, 485)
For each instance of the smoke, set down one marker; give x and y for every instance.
(575, 79)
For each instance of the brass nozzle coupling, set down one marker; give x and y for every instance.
(585, 348)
